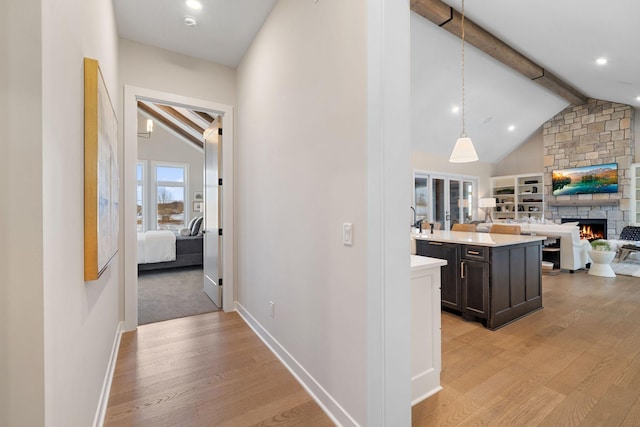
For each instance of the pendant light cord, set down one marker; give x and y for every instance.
(464, 133)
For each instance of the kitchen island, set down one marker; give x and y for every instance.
(492, 278)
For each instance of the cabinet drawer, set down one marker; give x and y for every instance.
(480, 253)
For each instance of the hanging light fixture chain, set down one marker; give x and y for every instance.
(463, 151)
(464, 132)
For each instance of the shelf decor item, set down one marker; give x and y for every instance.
(101, 186)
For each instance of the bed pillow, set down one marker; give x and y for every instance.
(195, 230)
(190, 226)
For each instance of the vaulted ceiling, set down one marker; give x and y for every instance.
(563, 37)
(185, 124)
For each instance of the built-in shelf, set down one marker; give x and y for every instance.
(598, 202)
(518, 196)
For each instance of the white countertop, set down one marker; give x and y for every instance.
(479, 239)
(420, 262)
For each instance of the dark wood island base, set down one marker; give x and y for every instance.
(496, 283)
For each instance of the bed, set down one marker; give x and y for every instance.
(164, 249)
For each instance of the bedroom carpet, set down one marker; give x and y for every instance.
(170, 294)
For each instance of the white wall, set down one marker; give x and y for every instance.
(165, 146)
(300, 174)
(81, 318)
(57, 330)
(527, 158)
(21, 181)
(158, 69)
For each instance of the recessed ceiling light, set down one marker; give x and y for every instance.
(638, 98)
(190, 21)
(511, 128)
(601, 61)
(455, 109)
(194, 4)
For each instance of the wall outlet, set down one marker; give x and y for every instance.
(272, 308)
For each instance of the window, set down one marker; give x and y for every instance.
(140, 195)
(170, 191)
(447, 199)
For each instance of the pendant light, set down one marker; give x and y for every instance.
(463, 151)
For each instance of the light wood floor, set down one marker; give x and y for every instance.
(576, 362)
(205, 370)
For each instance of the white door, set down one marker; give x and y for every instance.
(212, 223)
(452, 200)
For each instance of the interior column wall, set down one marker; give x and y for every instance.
(21, 216)
(301, 174)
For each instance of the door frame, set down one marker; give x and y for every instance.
(129, 148)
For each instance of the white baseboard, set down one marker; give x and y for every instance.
(332, 408)
(101, 411)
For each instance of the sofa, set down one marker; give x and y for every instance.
(574, 251)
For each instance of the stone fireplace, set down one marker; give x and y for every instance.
(590, 229)
(594, 133)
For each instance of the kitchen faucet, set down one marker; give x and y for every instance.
(415, 220)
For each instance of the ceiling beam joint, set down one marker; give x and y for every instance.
(446, 17)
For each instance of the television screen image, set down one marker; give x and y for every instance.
(586, 180)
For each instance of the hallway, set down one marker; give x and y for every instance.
(205, 370)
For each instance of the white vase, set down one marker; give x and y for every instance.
(600, 265)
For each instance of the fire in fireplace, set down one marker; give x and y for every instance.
(590, 229)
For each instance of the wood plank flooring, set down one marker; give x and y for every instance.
(576, 362)
(205, 370)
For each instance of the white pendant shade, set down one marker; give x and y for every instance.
(463, 152)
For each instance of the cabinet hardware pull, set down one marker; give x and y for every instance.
(473, 252)
(435, 243)
(462, 270)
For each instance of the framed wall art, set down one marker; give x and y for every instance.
(101, 186)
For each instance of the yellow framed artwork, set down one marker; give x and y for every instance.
(101, 186)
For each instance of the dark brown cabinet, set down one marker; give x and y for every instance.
(495, 285)
(474, 272)
(450, 291)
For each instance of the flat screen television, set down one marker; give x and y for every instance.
(585, 180)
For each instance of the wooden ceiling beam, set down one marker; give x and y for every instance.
(446, 17)
(182, 119)
(169, 124)
(207, 118)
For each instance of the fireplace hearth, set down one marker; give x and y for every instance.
(590, 229)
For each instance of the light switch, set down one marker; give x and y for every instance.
(347, 234)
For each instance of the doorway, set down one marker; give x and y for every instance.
(131, 97)
(445, 199)
(170, 208)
